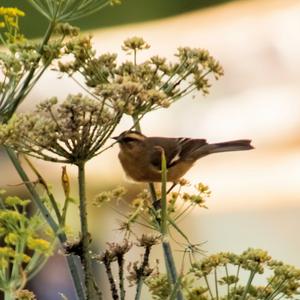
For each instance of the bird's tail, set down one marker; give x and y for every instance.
(236, 145)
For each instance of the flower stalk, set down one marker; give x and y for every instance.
(9, 296)
(140, 274)
(143, 271)
(168, 255)
(164, 212)
(85, 236)
(113, 287)
(120, 259)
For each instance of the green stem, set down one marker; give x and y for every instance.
(113, 288)
(44, 184)
(138, 292)
(252, 274)
(208, 287)
(75, 273)
(36, 198)
(179, 230)
(86, 258)
(17, 262)
(121, 277)
(64, 211)
(216, 283)
(71, 259)
(228, 285)
(277, 290)
(168, 255)
(237, 276)
(141, 272)
(8, 296)
(171, 267)
(175, 289)
(163, 224)
(170, 262)
(136, 123)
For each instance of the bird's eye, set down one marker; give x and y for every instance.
(128, 140)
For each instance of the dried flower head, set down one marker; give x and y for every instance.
(71, 132)
(108, 196)
(66, 29)
(75, 247)
(199, 198)
(25, 295)
(113, 251)
(197, 293)
(255, 259)
(135, 43)
(138, 88)
(135, 272)
(227, 269)
(148, 240)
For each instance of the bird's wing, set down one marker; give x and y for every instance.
(176, 149)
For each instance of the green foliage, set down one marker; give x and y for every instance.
(26, 244)
(141, 210)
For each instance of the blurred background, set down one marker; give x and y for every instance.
(255, 198)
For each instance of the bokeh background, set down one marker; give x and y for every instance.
(255, 194)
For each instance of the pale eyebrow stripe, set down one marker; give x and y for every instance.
(135, 136)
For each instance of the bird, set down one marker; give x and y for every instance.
(140, 156)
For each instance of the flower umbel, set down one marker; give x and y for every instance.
(10, 24)
(226, 270)
(138, 88)
(23, 62)
(71, 132)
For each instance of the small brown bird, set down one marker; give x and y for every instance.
(140, 155)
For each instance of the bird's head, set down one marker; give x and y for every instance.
(130, 140)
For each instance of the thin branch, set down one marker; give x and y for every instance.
(121, 276)
(113, 288)
(42, 181)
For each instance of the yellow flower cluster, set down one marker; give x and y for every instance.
(5, 254)
(11, 238)
(11, 12)
(40, 245)
(10, 21)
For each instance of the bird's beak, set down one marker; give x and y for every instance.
(116, 138)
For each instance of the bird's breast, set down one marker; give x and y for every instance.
(137, 168)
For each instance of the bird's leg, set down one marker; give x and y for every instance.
(157, 204)
(172, 187)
